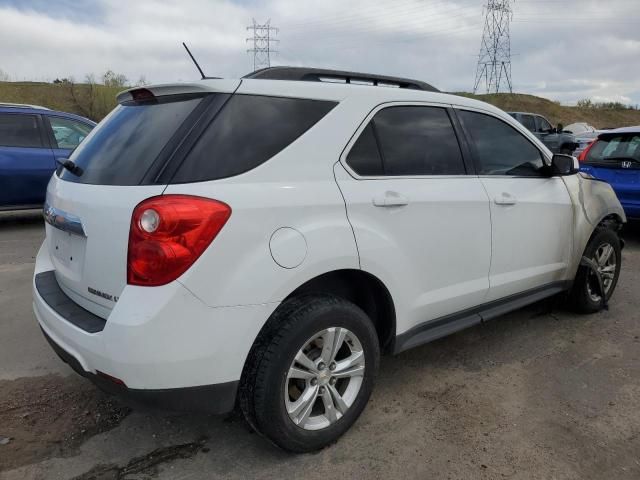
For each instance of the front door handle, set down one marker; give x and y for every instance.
(390, 199)
(505, 198)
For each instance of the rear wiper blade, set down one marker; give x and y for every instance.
(69, 165)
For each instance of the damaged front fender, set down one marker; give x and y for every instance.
(594, 202)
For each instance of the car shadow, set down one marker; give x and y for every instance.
(20, 217)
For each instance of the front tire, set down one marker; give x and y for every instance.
(604, 248)
(310, 373)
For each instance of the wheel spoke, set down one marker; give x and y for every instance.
(338, 400)
(328, 337)
(329, 407)
(333, 340)
(295, 372)
(306, 362)
(604, 256)
(301, 408)
(355, 371)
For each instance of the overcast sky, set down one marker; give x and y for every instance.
(562, 49)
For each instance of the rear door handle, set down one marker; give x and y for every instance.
(390, 199)
(505, 198)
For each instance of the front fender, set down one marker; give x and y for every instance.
(593, 201)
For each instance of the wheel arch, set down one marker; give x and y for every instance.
(364, 290)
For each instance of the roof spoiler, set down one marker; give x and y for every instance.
(337, 76)
(222, 86)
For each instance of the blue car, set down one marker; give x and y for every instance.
(615, 158)
(32, 138)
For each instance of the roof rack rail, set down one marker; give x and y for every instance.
(338, 76)
(21, 105)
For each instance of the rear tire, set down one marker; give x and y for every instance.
(292, 390)
(584, 296)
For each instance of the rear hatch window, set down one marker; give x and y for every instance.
(125, 145)
(183, 139)
(616, 151)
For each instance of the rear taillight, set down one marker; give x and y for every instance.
(168, 233)
(583, 155)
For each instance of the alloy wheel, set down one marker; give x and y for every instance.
(605, 257)
(324, 378)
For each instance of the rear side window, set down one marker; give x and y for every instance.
(500, 149)
(17, 130)
(122, 148)
(413, 140)
(248, 131)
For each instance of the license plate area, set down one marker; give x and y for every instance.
(67, 253)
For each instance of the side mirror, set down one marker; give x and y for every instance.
(559, 128)
(564, 165)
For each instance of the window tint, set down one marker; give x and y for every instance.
(247, 132)
(500, 148)
(543, 125)
(121, 149)
(68, 133)
(418, 141)
(364, 157)
(529, 122)
(17, 130)
(618, 147)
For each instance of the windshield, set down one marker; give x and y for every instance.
(122, 148)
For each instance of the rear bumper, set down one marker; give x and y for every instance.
(163, 343)
(215, 399)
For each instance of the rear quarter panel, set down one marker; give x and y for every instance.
(295, 189)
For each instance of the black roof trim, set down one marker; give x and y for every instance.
(320, 75)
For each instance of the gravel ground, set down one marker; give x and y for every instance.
(540, 393)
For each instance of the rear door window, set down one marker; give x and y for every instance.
(543, 124)
(499, 148)
(529, 122)
(67, 133)
(248, 131)
(124, 146)
(415, 141)
(19, 130)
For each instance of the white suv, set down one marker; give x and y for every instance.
(260, 242)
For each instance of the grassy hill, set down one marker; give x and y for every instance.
(95, 101)
(91, 101)
(555, 113)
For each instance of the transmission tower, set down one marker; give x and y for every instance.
(262, 40)
(494, 61)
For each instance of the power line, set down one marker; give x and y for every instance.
(262, 39)
(494, 60)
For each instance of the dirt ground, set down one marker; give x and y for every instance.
(541, 393)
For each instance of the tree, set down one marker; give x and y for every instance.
(142, 81)
(4, 76)
(112, 79)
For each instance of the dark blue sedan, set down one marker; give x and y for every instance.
(615, 158)
(32, 138)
